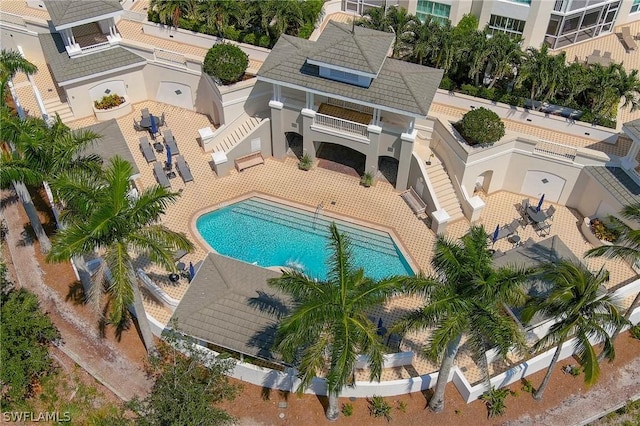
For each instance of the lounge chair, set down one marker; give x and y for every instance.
(178, 254)
(161, 177)
(627, 40)
(513, 227)
(145, 147)
(183, 169)
(170, 141)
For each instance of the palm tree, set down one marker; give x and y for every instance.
(479, 57)
(169, 11)
(628, 88)
(577, 80)
(101, 217)
(421, 36)
(12, 62)
(627, 247)
(218, 14)
(583, 311)
(376, 18)
(603, 96)
(327, 327)
(543, 73)
(400, 21)
(504, 56)
(466, 296)
(287, 17)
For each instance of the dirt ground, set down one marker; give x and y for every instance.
(566, 401)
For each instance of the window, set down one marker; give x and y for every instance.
(343, 76)
(439, 12)
(522, 1)
(564, 30)
(506, 25)
(635, 7)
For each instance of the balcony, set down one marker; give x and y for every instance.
(90, 38)
(343, 119)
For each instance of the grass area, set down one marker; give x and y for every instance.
(629, 415)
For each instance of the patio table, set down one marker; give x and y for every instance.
(536, 216)
(146, 121)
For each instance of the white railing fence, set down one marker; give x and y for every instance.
(341, 125)
(162, 55)
(95, 47)
(553, 149)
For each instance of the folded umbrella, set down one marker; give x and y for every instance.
(540, 203)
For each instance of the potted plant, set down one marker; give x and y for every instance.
(305, 162)
(366, 180)
(109, 101)
(430, 159)
(480, 126)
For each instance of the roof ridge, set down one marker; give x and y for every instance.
(366, 57)
(410, 87)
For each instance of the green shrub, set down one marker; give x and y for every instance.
(635, 332)
(306, 30)
(447, 84)
(249, 38)
(366, 180)
(347, 409)
(226, 63)
(231, 33)
(469, 89)
(527, 386)
(378, 407)
(488, 93)
(305, 162)
(264, 41)
(481, 126)
(401, 406)
(109, 101)
(494, 400)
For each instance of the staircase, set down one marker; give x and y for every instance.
(444, 190)
(53, 106)
(239, 130)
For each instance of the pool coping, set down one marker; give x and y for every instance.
(302, 206)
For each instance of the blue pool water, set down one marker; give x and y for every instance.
(267, 233)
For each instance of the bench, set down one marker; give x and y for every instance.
(247, 161)
(417, 204)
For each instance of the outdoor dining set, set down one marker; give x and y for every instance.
(533, 215)
(163, 173)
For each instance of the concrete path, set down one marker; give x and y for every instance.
(80, 340)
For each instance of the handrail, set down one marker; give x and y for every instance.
(555, 149)
(341, 124)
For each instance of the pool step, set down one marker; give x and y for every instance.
(305, 221)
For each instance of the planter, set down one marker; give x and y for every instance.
(115, 112)
(585, 228)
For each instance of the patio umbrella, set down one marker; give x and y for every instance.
(494, 238)
(154, 126)
(540, 203)
(168, 157)
(192, 271)
(381, 330)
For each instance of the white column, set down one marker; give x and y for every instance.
(629, 161)
(412, 123)
(376, 117)
(277, 92)
(309, 100)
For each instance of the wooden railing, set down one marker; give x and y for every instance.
(341, 125)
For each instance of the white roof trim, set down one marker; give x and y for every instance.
(344, 69)
(343, 98)
(88, 20)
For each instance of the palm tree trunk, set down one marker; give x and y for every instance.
(538, 393)
(627, 315)
(143, 321)
(436, 403)
(32, 214)
(332, 408)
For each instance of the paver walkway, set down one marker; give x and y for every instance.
(80, 340)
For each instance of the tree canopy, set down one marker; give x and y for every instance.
(226, 63)
(481, 126)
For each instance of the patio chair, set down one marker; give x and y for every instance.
(145, 112)
(137, 127)
(161, 177)
(596, 53)
(162, 121)
(183, 169)
(145, 147)
(524, 217)
(550, 212)
(542, 228)
(607, 55)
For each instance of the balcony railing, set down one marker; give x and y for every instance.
(556, 150)
(95, 47)
(341, 125)
(170, 57)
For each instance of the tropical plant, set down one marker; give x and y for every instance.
(25, 334)
(401, 22)
(366, 180)
(604, 232)
(481, 126)
(189, 383)
(494, 400)
(305, 162)
(218, 14)
(465, 296)
(226, 62)
(420, 37)
(347, 409)
(378, 407)
(582, 311)
(327, 326)
(627, 248)
(101, 217)
(504, 55)
(542, 73)
(169, 11)
(109, 101)
(11, 63)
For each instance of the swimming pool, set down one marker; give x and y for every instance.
(268, 233)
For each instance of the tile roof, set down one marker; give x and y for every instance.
(363, 49)
(111, 143)
(222, 306)
(617, 182)
(67, 12)
(400, 85)
(65, 68)
(632, 128)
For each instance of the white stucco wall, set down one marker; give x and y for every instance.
(112, 86)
